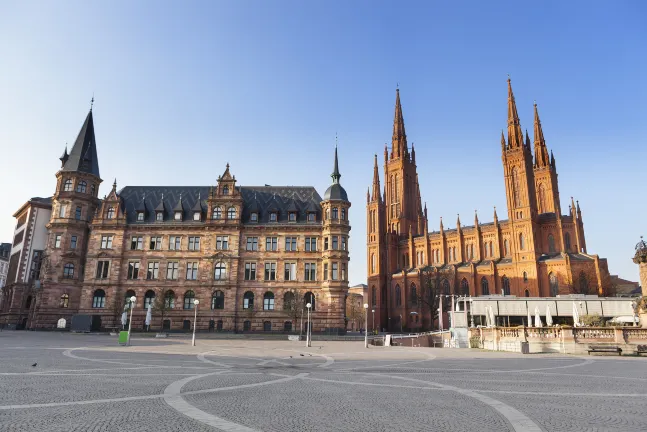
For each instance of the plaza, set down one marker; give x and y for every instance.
(88, 382)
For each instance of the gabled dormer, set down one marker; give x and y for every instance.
(140, 209)
(254, 211)
(111, 208)
(196, 211)
(178, 211)
(293, 212)
(225, 202)
(311, 212)
(160, 211)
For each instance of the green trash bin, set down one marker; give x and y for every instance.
(123, 338)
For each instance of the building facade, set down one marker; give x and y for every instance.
(5, 252)
(537, 251)
(251, 256)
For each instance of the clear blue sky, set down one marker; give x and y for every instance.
(182, 88)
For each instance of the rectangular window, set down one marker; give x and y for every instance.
(334, 271)
(310, 272)
(343, 272)
(77, 213)
(57, 241)
(73, 242)
(174, 243)
(133, 270)
(273, 217)
(222, 242)
(325, 275)
(291, 244)
(137, 243)
(343, 243)
(311, 244)
(61, 210)
(292, 217)
(153, 270)
(156, 243)
(271, 243)
(311, 217)
(326, 243)
(335, 241)
(18, 238)
(102, 269)
(270, 271)
(34, 271)
(192, 270)
(106, 242)
(343, 214)
(250, 271)
(140, 216)
(335, 212)
(194, 243)
(252, 243)
(172, 270)
(290, 272)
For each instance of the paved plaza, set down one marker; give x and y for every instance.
(89, 383)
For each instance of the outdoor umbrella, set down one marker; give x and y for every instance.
(492, 318)
(576, 316)
(124, 319)
(529, 319)
(149, 316)
(549, 317)
(537, 318)
(487, 317)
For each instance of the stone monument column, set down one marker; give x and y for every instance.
(640, 258)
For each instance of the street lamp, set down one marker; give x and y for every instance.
(308, 344)
(400, 323)
(196, 302)
(373, 316)
(366, 325)
(130, 322)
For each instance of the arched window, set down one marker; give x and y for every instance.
(65, 301)
(525, 276)
(217, 213)
(267, 326)
(93, 190)
(491, 253)
(309, 297)
(372, 263)
(584, 284)
(485, 289)
(527, 293)
(567, 241)
(189, 297)
(248, 300)
(373, 296)
(553, 283)
(542, 199)
(220, 271)
(68, 271)
(247, 325)
(398, 296)
(414, 294)
(225, 190)
(231, 213)
(288, 301)
(149, 299)
(506, 247)
(446, 291)
(82, 186)
(515, 187)
(268, 301)
(551, 243)
(218, 300)
(169, 300)
(111, 213)
(99, 299)
(67, 186)
(465, 287)
(522, 242)
(505, 285)
(127, 296)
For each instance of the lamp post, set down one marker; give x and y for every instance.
(366, 325)
(308, 344)
(130, 322)
(196, 302)
(400, 323)
(373, 316)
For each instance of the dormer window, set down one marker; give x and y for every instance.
(273, 217)
(312, 217)
(292, 217)
(253, 217)
(159, 216)
(178, 216)
(196, 216)
(111, 213)
(225, 190)
(140, 216)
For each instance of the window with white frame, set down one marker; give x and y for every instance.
(311, 244)
(291, 244)
(252, 243)
(290, 272)
(102, 269)
(270, 271)
(222, 242)
(133, 269)
(153, 270)
(57, 240)
(62, 209)
(310, 271)
(220, 271)
(194, 243)
(174, 242)
(106, 242)
(250, 271)
(156, 243)
(137, 243)
(334, 271)
(192, 270)
(172, 268)
(271, 243)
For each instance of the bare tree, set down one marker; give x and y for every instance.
(583, 282)
(293, 305)
(163, 304)
(354, 310)
(429, 296)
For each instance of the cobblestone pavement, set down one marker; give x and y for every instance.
(89, 383)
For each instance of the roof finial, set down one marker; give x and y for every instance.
(92, 101)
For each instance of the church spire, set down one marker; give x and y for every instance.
(399, 139)
(375, 195)
(83, 156)
(541, 152)
(515, 135)
(335, 173)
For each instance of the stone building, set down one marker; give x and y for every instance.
(251, 255)
(537, 251)
(5, 251)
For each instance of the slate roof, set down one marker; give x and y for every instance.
(255, 198)
(83, 156)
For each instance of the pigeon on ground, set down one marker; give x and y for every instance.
(301, 355)
(34, 365)
(290, 356)
(310, 355)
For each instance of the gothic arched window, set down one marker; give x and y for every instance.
(485, 289)
(554, 284)
(248, 300)
(515, 187)
(414, 294)
(567, 241)
(505, 285)
(465, 287)
(398, 296)
(551, 243)
(288, 300)
(309, 297)
(372, 263)
(542, 199)
(522, 242)
(149, 299)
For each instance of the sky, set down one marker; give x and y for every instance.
(182, 88)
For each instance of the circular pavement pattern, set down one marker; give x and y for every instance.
(88, 382)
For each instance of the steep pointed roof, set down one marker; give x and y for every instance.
(515, 135)
(161, 207)
(179, 207)
(541, 152)
(335, 191)
(375, 195)
(141, 206)
(197, 207)
(399, 139)
(83, 156)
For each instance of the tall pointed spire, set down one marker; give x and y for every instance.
(83, 156)
(375, 195)
(541, 152)
(503, 146)
(65, 157)
(399, 139)
(515, 135)
(335, 173)
(496, 218)
(476, 219)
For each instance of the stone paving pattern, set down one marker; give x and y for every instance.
(90, 383)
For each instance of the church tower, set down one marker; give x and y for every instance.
(545, 173)
(376, 248)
